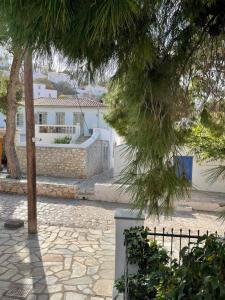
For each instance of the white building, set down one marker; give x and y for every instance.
(94, 90)
(40, 91)
(39, 75)
(87, 112)
(195, 171)
(61, 77)
(76, 118)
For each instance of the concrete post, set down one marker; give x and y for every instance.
(124, 219)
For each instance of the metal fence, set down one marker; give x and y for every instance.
(173, 241)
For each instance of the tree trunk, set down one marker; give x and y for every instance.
(30, 143)
(12, 159)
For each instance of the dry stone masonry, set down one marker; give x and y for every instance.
(62, 161)
(43, 188)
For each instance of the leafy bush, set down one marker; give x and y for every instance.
(151, 260)
(201, 275)
(63, 140)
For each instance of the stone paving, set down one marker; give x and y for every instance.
(61, 212)
(72, 257)
(58, 263)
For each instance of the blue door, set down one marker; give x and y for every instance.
(184, 166)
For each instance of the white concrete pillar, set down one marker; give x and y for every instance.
(124, 219)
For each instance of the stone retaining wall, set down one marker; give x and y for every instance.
(43, 188)
(62, 161)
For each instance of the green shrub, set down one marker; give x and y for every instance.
(63, 140)
(151, 260)
(201, 275)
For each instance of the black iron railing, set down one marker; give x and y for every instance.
(173, 242)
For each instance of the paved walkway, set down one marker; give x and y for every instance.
(72, 257)
(58, 263)
(61, 212)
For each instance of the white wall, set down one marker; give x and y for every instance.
(200, 178)
(121, 159)
(40, 91)
(2, 122)
(37, 75)
(93, 116)
(95, 90)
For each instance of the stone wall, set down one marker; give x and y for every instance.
(68, 191)
(62, 161)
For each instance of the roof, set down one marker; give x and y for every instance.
(69, 102)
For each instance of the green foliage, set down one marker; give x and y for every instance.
(201, 275)
(206, 144)
(151, 260)
(207, 137)
(64, 88)
(145, 110)
(157, 48)
(3, 93)
(63, 140)
(48, 83)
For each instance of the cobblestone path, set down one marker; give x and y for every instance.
(61, 212)
(72, 257)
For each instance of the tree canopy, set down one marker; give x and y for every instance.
(159, 48)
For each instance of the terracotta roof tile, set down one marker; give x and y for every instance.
(69, 102)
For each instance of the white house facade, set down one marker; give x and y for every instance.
(40, 91)
(91, 147)
(67, 111)
(195, 171)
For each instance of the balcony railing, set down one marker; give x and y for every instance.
(65, 129)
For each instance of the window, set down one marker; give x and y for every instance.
(49, 95)
(78, 118)
(39, 94)
(19, 119)
(41, 118)
(60, 118)
(39, 87)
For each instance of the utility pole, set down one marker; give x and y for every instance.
(30, 143)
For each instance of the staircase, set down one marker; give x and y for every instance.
(82, 139)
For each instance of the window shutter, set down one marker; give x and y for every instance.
(75, 121)
(78, 118)
(44, 118)
(63, 119)
(36, 118)
(57, 118)
(60, 118)
(19, 120)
